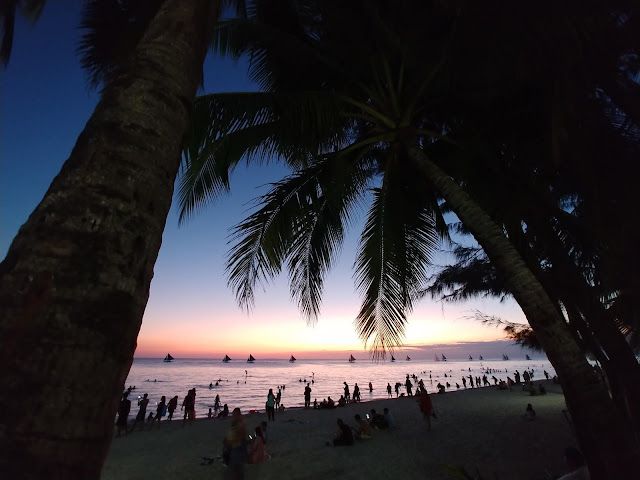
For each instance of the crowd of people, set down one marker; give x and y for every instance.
(163, 409)
(241, 447)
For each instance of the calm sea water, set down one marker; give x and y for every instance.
(245, 385)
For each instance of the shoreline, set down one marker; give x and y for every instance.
(480, 429)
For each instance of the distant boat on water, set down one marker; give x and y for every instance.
(528, 357)
(408, 358)
(480, 357)
(226, 359)
(436, 358)
(168, 358)
(393, 359)
(470, 357)
(444, 359)
(251, 359)
(352, 359)
(292, 359)
(505, 357)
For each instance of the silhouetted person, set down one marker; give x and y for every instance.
(161, 409)
(271, 405)
(344, 436)
(142, 413)
(123, 414)
(307, 396)
(173, 404)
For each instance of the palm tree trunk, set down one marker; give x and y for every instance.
(75, 282)
(607, 443)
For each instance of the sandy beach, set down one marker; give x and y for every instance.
(481, 430)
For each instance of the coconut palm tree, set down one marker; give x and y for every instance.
(393, 113)
(75, 281)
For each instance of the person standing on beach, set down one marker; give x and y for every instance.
(347, 395)
(142, 413)
(161, 411)
(278, 397)
(189, 406)
(426, 407)
(307, 396)
(389, 390)
(271, 405)
(173, 404)
(123, 414)
(356, 393)
(408, 385)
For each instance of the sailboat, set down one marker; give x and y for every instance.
(393, 359)
(250, 359)
(168, 358)
(505, 357)
(226, 359)
(292, 359)
(528, 357)
(352, 359)
(444, 359)
(437, 358)
(408, 358)
(470, 357)
(480, 357)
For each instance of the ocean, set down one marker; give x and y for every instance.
(245, 385)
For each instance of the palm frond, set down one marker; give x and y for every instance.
(341, 183)
(397, 244)
(229, 127)
(303, 217)
(30, 10)
(112, 29)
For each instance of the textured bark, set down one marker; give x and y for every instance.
(75, 282)
(608, 444)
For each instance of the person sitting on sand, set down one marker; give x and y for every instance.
(577, 468)
(281, 408)
(224, 412)
(258, 447)
(330, 403)
(530, 413)
(541, 389)
(441, 388)
(388, 418)
(315, 403)
(363, 430)
(376, 420)
(344, 436)
(342, 402)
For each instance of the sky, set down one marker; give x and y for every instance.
(45, 102)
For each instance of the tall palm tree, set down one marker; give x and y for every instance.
(75, 281)
(391, 112)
